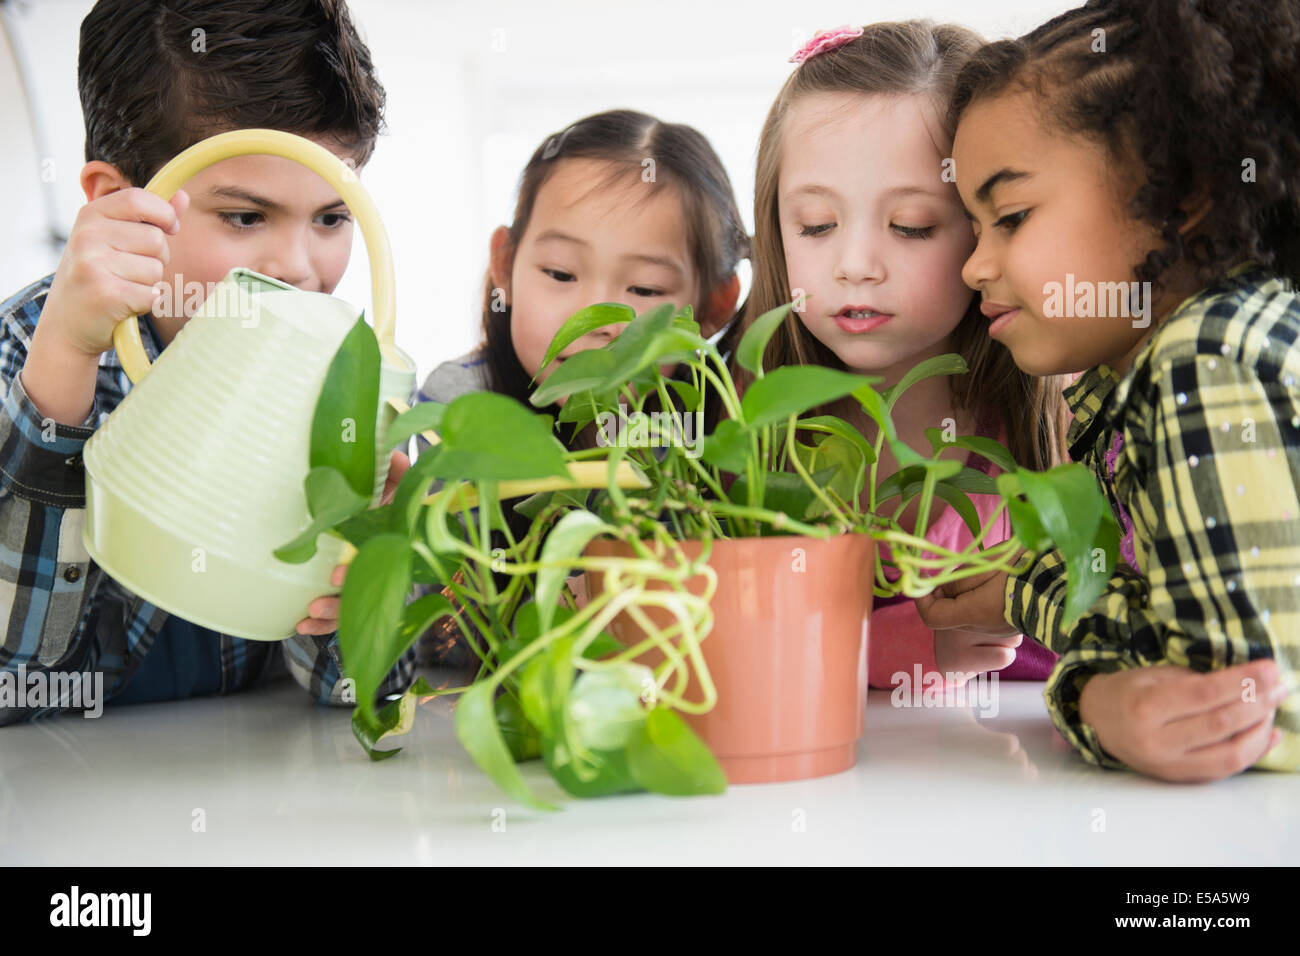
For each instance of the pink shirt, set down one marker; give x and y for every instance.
(897, 638)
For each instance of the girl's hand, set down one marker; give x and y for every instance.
(324, 611)
(958, 651)
(973, 604)
(1178, 724)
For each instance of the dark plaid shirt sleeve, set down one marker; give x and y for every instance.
(1208, 474)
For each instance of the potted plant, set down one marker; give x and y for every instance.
(681, 537)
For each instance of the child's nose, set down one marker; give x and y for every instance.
(859, 259)
(979, 269)
(288, 261)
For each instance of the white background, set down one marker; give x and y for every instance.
(473, 88)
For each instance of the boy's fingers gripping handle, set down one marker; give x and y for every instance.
(336, 172)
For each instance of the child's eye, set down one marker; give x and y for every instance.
(816, 230)
(644, 291)
(333, 220)
(238, 220)
(1011, 221)
(559, 275)
(914, 232)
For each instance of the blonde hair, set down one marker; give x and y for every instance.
(911, 57)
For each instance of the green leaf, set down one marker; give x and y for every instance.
(522, 739)
(343, 426)
(874, 405)
(581, 372)
(423, 416)
(608, 774)
(370, 615)
(990, 448)
(329, 500)
(689, 394)
(1087, 585)
(844, 459)
(793, 389)
(948, 364)
(492, 437)
(782, 491)
(581, 408)
(565, 542)
(480, 735)
(749, 353)
(838, 426)
(961, 503)
(422, 613)
(1068, 504)
(544, 688)
(364, 525)
(583, 323)
(1025, 523)
(412, 489)
(394, 720)
(606, 707)
(668, 347)
(666, 757)
(728, 447)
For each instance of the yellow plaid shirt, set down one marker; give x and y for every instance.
(1209, 475)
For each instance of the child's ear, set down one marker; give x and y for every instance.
(99, 178)
(1196, 209)
(720, 307)
(502, 261)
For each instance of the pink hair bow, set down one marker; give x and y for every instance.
(825, 40)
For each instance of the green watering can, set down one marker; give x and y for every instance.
(197, 476)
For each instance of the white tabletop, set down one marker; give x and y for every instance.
(280, 780)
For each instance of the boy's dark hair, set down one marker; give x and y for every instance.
(157, 76)
(625, 139)
(1201, 98)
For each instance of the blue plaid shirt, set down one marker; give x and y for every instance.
(62, 614)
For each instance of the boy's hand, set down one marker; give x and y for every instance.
(111, 267)
(324, 611)
(114, 259)
(974, 604)
(1178, 724)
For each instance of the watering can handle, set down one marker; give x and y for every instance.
(274, 142)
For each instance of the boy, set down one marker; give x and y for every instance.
(155, 78)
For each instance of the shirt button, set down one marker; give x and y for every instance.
(72, 574)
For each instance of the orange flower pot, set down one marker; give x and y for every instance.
(787, 652)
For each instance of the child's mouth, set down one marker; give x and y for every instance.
(856, 319)
(999, 314)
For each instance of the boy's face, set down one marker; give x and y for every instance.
(265, 213)
(588, 243)
(1047, 206)
(872, 233)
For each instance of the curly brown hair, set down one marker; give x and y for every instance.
(1194, 100)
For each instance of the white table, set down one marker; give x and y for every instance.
(280, 780)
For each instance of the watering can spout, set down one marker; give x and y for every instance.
(194, 532)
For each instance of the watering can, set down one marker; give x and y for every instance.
(197, 475)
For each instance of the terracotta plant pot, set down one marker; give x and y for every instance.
(787, 652)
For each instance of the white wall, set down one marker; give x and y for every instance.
(473, 87)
